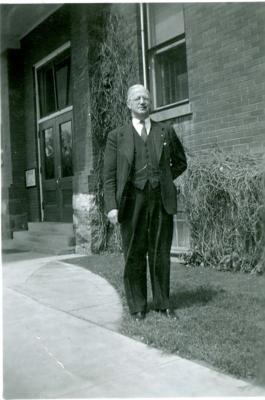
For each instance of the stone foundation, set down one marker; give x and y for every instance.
(82, 209)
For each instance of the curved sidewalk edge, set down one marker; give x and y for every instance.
(61, 341)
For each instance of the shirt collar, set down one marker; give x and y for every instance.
(137, 121)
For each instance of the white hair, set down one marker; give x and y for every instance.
(137, 86)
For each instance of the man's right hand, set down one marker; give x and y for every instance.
(113, 216)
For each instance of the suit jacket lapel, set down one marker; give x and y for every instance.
(158, 135)
(126, 146)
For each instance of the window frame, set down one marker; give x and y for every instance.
(63, 57)
(150, 53)
(39, 120)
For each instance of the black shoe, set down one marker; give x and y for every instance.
(138, 316)
(169, 313)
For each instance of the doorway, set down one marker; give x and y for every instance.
(56, 139)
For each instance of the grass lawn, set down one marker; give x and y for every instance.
(221, 316)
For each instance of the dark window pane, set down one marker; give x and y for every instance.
(66, 148)
(171, 76)
(46, 91)
(62, 73)
(166, 22)
(54, 85)
(48, 153)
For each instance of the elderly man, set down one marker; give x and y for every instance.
(141, 161)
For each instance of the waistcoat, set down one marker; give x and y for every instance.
(146, 166)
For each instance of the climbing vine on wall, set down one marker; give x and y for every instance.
(115, 69)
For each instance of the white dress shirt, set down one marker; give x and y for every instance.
(138, 126)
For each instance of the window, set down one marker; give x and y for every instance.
(54, 85)
(166, 54)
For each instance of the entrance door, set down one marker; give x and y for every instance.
(56, 136)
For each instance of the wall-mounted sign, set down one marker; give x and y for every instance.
(30, 177)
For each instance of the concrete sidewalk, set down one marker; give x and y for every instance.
(61, 340)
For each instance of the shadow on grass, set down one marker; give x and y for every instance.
(187, 298)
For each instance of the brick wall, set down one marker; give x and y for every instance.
(14, 192)
(226, 66)
(6, 165)
(13, 214)
(85, 21)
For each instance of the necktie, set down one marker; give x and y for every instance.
(143, 131)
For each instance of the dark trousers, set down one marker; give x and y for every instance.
(148, 229)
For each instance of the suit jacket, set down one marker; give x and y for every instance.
(118, 164)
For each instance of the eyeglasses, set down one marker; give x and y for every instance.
(138, 98)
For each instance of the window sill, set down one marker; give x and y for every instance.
(174, 112)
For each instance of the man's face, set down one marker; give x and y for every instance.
(139, 103)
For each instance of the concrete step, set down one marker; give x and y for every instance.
(46, 237)
(7, 244)
(42, 247)
(54, 240)
(65, 228)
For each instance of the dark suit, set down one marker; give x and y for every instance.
(146, 216)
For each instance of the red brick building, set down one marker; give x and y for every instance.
(203, 63)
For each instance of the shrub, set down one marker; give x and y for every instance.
(224, 196)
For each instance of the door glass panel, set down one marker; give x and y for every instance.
(66, 148)
(48, 153)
